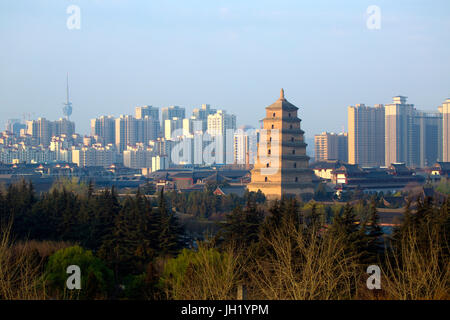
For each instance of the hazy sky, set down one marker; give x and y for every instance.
(234, 55)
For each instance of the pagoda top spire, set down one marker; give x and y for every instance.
(282, 94)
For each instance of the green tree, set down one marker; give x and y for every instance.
(346, 228)
(96, 278)
(169, 229)
(242, 225)
(373, 232)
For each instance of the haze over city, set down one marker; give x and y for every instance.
(229, 54)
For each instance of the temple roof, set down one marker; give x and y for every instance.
(282, 104)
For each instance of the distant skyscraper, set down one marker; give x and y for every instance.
(14, 126)
(221, 127)
(63, 126)
(446, 131)
(366, 135)
(219, 122)
(160, 163)
(142, 112)
(95, 156)
(171, 112)
(137, 157)
(127, 132)
(331, 146)
(245, 145)
(427, 130)
(150, 129)
(43, 130)
(171, 125)
(188, 126)
(104, 128)
(400, 133)
(202, 114)
(40, 129)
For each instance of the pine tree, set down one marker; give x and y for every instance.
(167, 228)
(104, 210)
(3, 218)
(90, 190)
(373, 232)
(242, 225)
(345, 228)
(276, 216)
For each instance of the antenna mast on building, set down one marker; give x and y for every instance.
(67, 109)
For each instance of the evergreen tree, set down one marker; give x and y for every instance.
(242, 225)
(90, 190)
(374, 240)
(345, 228)
(119, 248)
(103, 212)
(169, 230)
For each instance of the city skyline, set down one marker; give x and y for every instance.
(234, 56)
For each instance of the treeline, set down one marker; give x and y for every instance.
(133, 248)
(291, 254)
(205, 204)
(127, 235)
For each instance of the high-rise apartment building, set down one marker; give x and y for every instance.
(400, 133)
(104, 129)
(147, 111)
(201, 114)
(63, 126)
(331, 146)
(172, 127)
(282, 164)
(446, 131)
(127, 132)
(138, 157)
(427, 128)
(95, 156)
(220, 122)
(366, 130)
(130, 131)
(14, 126)
(245, 146)
(43, 130)
(150, 129)
(160, 163)
(221, 127)
(171, 112)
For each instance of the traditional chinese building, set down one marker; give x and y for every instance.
(281, 168)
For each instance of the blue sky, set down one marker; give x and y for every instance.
(234, 55)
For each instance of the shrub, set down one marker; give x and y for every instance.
(96, 278)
